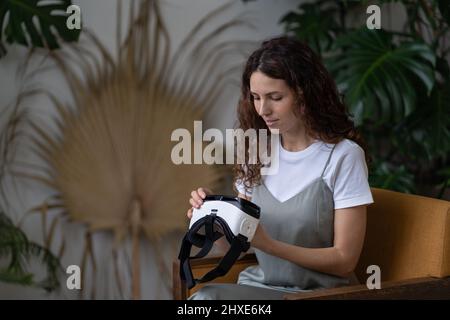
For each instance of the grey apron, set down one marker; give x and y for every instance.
(306, 220)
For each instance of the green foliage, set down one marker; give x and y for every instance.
(30, 23)
(445, 174)
(379, 76)
(17, 250)
(315, 25)
(425, 134)
(444, 8)
(393, 177)
(396, 85)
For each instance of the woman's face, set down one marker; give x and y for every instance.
(275, 102)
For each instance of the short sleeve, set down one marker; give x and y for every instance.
(351, 187)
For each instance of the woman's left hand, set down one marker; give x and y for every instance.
(261, 240)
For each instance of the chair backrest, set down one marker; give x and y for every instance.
(408, 236)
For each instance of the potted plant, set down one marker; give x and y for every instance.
(396, 84)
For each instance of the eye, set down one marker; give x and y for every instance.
(276, 98)
(255, 98)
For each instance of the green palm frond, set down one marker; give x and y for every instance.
(17, 250)
(378, 77)
(24, 279)
(18, 23)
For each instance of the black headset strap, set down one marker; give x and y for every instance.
(203, 241)
(238, 245)
(208, 239)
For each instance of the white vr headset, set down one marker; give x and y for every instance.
(237, 220)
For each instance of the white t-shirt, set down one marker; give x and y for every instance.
(346, 174)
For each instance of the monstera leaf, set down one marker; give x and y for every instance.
(378, 77)
(30, 23)
(313, 24)
(425, 134)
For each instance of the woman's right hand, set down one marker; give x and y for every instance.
(196, 199)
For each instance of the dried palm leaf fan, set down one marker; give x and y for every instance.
(111, 161)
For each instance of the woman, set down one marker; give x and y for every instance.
(313, 211)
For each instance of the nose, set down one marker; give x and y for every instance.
(264, 108)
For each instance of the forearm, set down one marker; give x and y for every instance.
(327, 260)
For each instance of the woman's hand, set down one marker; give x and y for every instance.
(196, 199)
(261, 240)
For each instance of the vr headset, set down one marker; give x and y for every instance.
(232, 217)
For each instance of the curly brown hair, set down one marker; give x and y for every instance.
(325, 115)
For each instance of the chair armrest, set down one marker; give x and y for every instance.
(201, 266)
(419, 288)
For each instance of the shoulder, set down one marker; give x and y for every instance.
(345, 149)
(348, 175)
(347, 158)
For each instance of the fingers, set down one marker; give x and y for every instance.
(204, 192)
(196, 199)
(194, 203)
(189, 213)
(201, 192)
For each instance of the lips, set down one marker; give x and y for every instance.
(271, 122)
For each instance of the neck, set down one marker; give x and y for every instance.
(296, 141)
